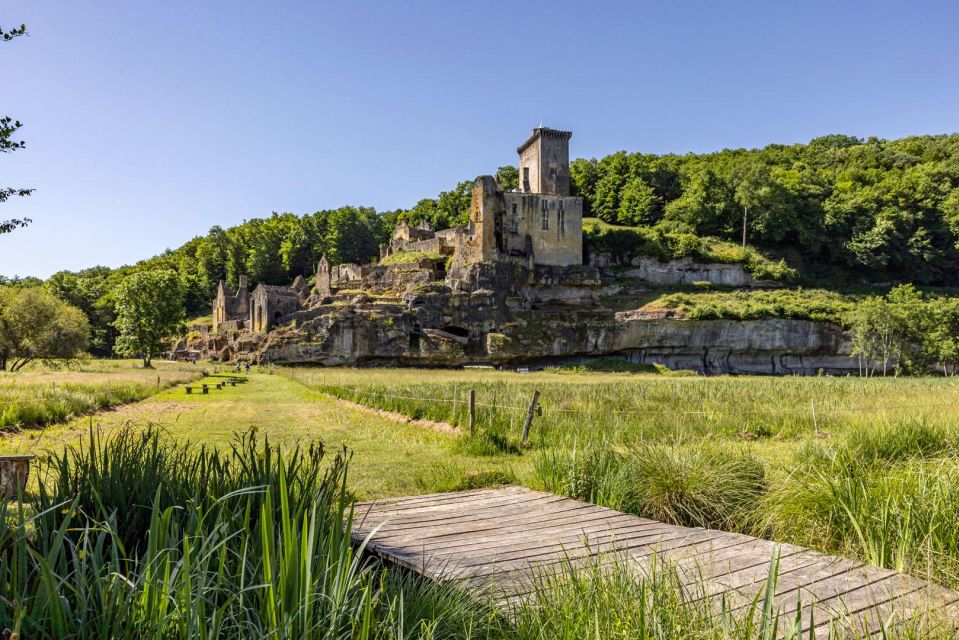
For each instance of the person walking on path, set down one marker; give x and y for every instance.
(247, 368)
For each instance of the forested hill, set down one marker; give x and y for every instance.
(838, 208)
(886, 208)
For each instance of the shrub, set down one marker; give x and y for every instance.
(669, 242)
(897, 441)
(694, 486)
(691, 486)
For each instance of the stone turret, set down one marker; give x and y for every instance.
(323, 284)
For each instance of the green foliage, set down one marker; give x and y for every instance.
(885, 495)
(882, 209)
(135, 536)
(412, 257)
(612, 364)
(39, 396)
(686, 485)
(8, 127)
(795, 304)
(35, 324)
(667, 242)
(906, 330)
(149, 312)
(449, 209)
(507, 177)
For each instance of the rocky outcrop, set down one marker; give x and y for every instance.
(509, 315)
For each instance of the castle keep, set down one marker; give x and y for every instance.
(537, 224)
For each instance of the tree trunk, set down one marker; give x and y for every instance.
(146, 362)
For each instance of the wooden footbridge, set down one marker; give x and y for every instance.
(496, 541)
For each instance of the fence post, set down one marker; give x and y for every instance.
(529, 416)
(815, 420)
(472, 405)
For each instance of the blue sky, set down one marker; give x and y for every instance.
(149, 122)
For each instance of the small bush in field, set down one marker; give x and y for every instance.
(694, 486)
(898, 441)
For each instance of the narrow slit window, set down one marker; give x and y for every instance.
(545, 215)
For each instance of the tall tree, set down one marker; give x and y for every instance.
(507, 177)
(8, 127)
(149, 312)
(35, 324)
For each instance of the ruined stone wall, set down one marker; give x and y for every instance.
(560, 244)
(427, 246)
(347, 275)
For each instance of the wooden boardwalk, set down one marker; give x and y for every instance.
(497, 540)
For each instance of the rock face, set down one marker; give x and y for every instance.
(687, 271)
(509, 315)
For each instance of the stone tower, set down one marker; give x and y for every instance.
(544, 162)
(323, 282)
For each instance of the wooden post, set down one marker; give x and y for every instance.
(815, 421)
(158, 382)
(472, 404)
(529, 416)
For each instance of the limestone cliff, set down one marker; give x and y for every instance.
(506, 314)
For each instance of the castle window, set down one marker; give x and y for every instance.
(561, 216)
(545, 216)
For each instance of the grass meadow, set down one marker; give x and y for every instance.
(867, 468)
(40, 394)
(214, 515)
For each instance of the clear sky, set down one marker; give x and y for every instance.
(148, 122)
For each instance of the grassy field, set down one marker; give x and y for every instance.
(390, 457)
(864, 468)
(41, 395)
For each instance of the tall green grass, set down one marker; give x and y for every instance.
(702, 486)
(134, 537)
(36, 398)
(622, 407)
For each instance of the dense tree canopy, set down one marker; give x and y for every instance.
(889, 209)
(149, 307)
(35, 324)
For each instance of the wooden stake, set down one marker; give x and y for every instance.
(472, 404)
(815, 421)
(529, 416)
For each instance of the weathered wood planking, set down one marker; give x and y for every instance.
(497, 541)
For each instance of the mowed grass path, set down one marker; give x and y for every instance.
(390, 457)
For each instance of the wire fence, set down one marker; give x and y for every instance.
(813, 408)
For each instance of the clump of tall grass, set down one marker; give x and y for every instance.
(704, 486)
(139, 537)
(898, 441)
(881, 496)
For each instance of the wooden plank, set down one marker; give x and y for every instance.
(498, 542)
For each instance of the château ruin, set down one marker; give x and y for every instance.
(511, 286)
